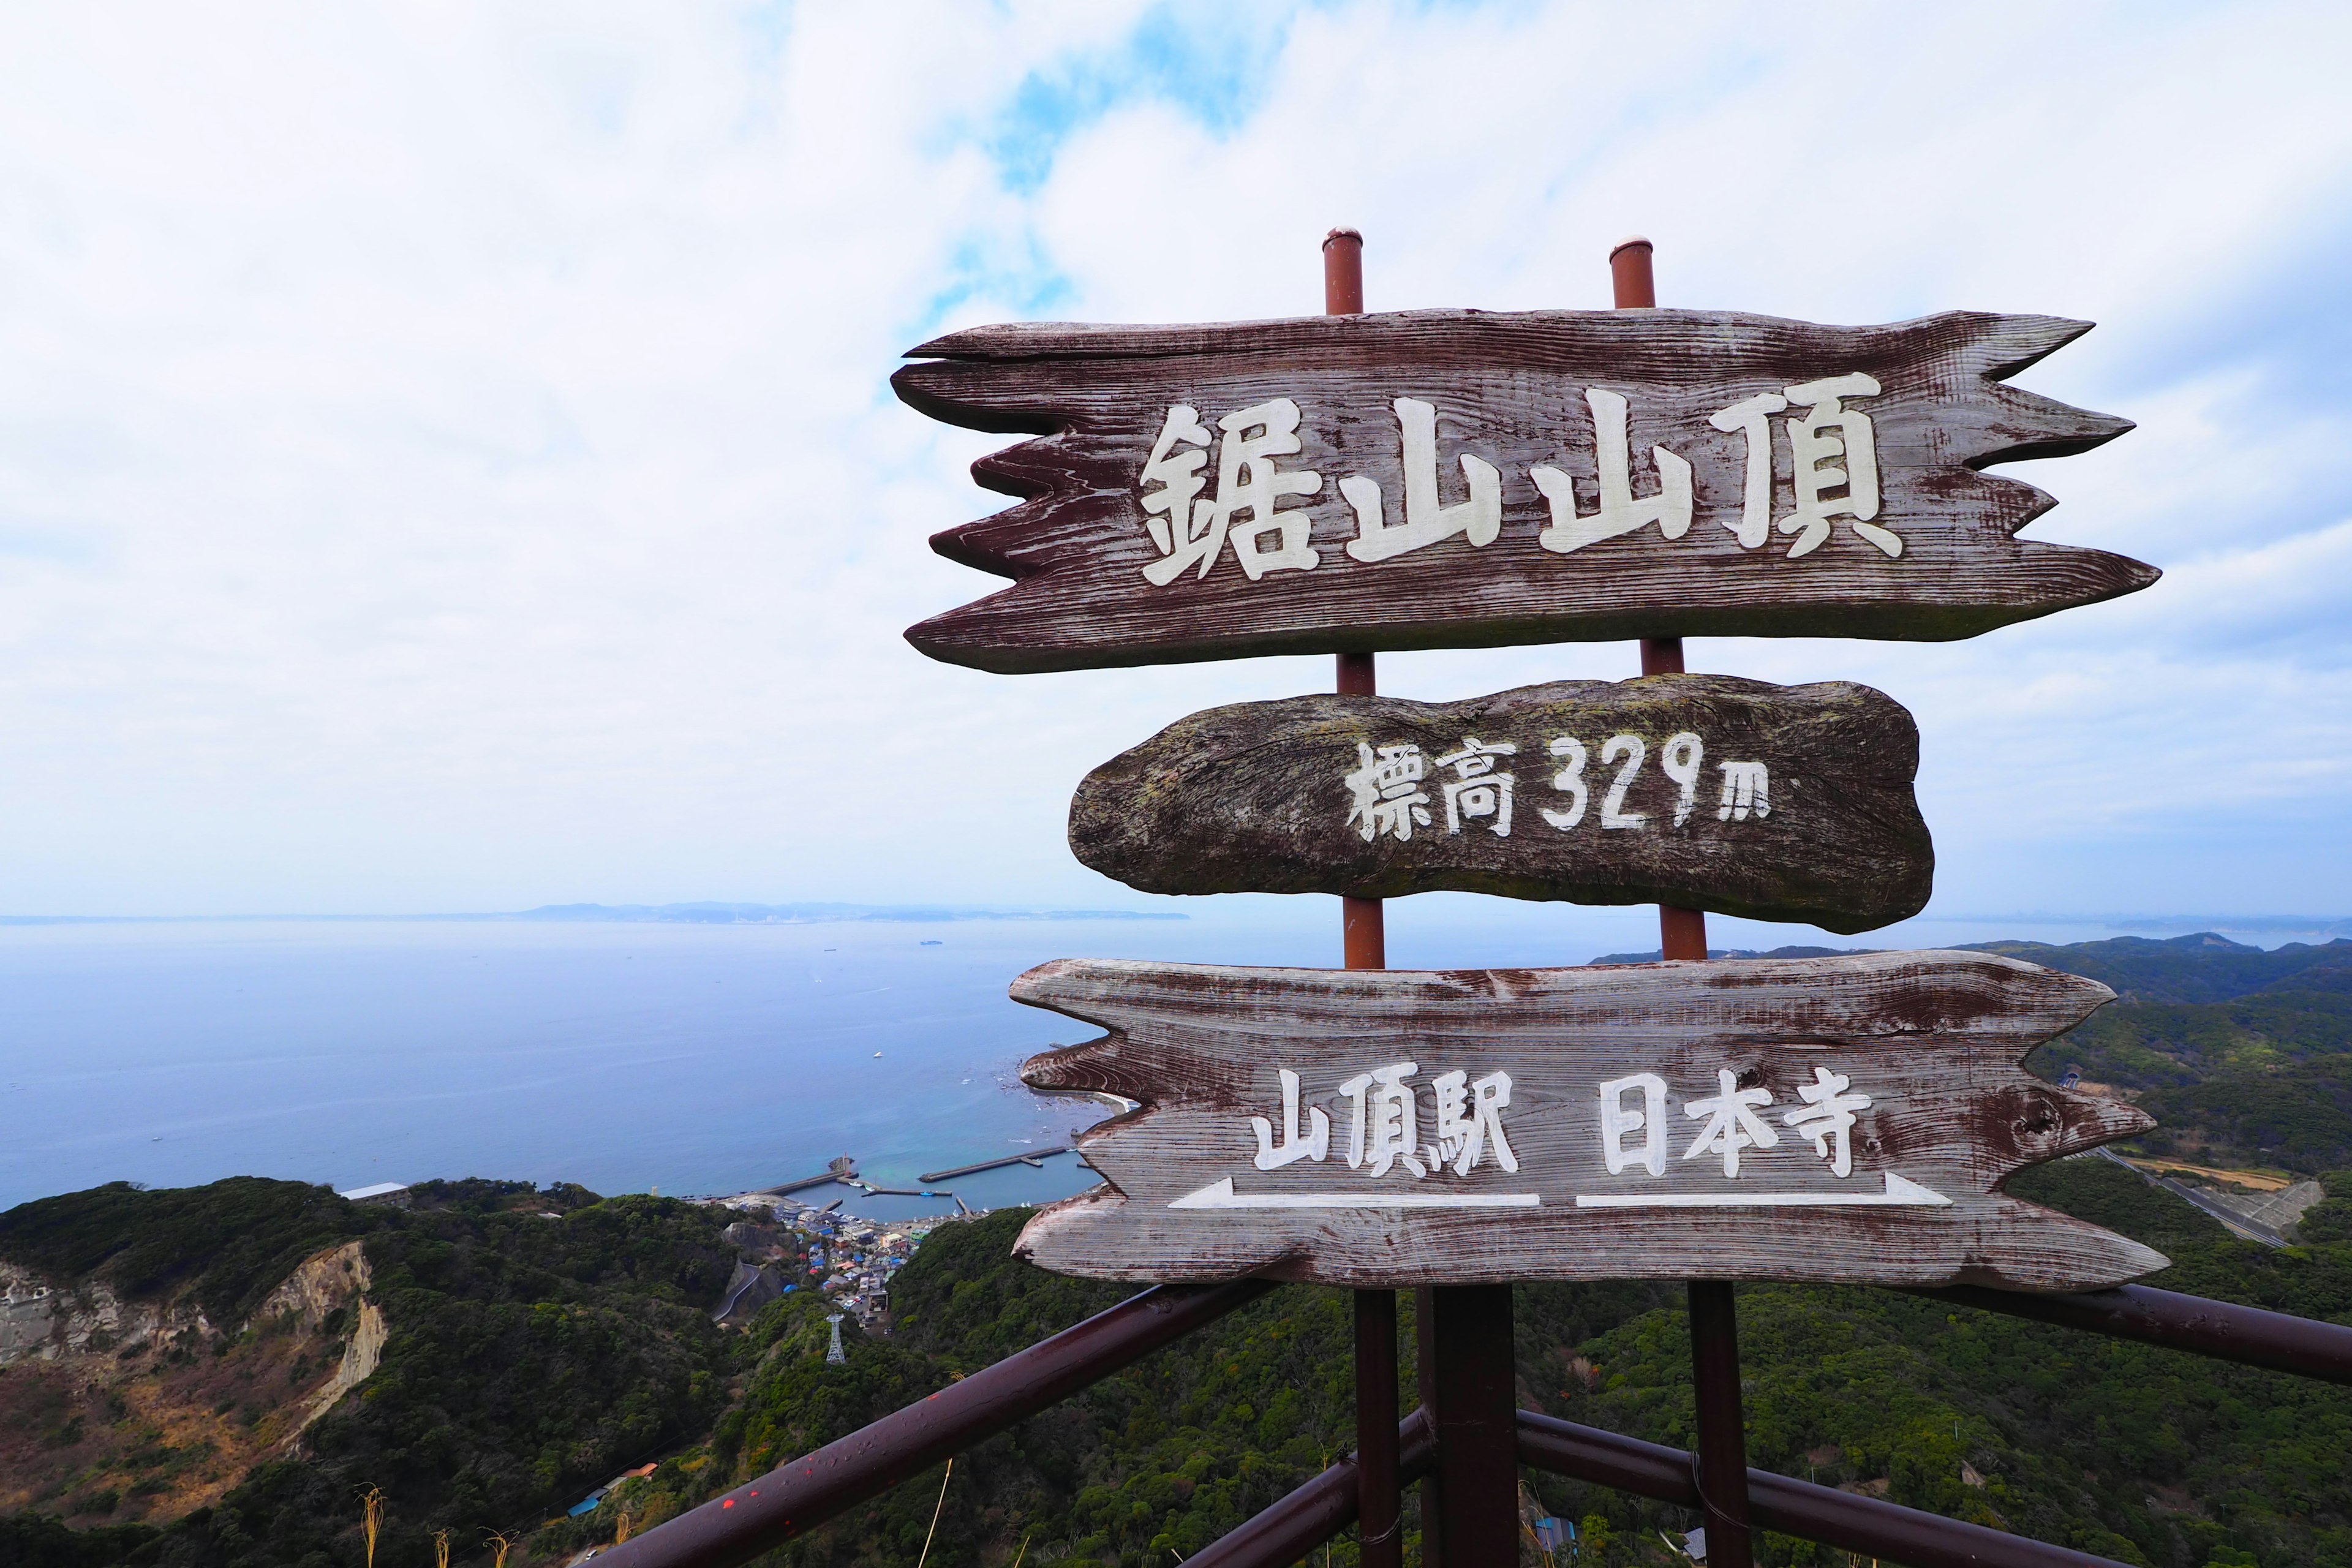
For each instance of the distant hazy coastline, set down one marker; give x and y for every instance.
(704, 913)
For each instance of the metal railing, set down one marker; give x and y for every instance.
(807, 1492)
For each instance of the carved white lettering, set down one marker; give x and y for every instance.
(1478, 520)
(1827, 1118)
(1384, 1132)
(1829, 433)
(1680, 760)
(1617, 1122)
(1476, 790)
(1570, 777)
(1618, 511)
(1314, 1146)
(1747, 786)
(1632, 748)
(1731, 1123)
(1386, 787)
(1750, 417)
(1469, 1117)
(1833, 459)
(1248, 481)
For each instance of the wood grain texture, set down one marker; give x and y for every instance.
(1933, 1039)
(1255, 797)
(1509, 389)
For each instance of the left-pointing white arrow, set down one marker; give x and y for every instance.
(1221, 1196)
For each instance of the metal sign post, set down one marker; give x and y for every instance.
(1364, 940)
(1714, 1316)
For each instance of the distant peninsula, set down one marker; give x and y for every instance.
(818, 914)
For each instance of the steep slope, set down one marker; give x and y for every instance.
(525, 1345)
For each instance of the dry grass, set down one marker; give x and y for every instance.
(157, 1433)
(2258, 1181)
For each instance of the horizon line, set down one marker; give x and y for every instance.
(826, 912)
(694, 913)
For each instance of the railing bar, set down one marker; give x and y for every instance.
(1296, 1523)
(1792, 1507)
(797, 1497)
(2253, 1335)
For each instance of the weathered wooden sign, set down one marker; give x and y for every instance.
(1843, 1118)
(1461, 479)
(1704, 791)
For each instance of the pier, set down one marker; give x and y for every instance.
(843, 1169)
(1036, 1157)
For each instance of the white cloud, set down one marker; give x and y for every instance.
(446, 462)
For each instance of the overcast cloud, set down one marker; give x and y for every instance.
(447, 462)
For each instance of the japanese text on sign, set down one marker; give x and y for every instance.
(1387, 792)
(1832, 449)
(1636, 1138)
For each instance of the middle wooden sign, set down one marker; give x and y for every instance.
(1706, 791)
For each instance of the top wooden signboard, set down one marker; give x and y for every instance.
(1462, 479)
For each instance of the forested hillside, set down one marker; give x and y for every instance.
(2144, 1455)
(2244, 1055)
(538, 1342)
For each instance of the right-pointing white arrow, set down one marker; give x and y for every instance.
(1900, 1191)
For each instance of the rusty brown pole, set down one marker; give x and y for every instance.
(1682, 934)
(1363, 937)
(1722, 1453)
(1364, 934)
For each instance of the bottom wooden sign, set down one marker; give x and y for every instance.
(1846, 1119)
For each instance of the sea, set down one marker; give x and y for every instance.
(683, 1057)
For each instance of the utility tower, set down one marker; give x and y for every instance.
(834, 1353)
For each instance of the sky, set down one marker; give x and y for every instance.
(447, 459)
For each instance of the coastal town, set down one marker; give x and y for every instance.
(787, 1242)
(787, 1246)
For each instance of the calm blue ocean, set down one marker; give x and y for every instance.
(690, 1058)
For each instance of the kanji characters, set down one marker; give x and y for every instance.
(1469, 1117)
(1384, 1124)
(1830, 433)
(1382, 1133)
(1731, 1123)
(1827, 1118)
(1833, 473)
(1477, 791)
(1249, 480)
(1386, 796)
(1618, 511)
(1479, 520)
(1183, 533)
(1314, 1146)
(1191, 530)
(1617, 1121)
(1831, 447)
(1749, 417)
(1386, 786)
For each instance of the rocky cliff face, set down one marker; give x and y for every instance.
(145, 1409)
(42, 1322)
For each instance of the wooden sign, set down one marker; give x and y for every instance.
(1846, 1119)
(1704, 791)
(1462, 478)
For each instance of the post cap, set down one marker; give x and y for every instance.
(1342, 234)
(1628, 243)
